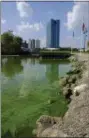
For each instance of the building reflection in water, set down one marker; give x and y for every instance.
(32, 61)
(52, 72)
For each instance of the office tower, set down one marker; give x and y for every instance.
(33, 44)
(53, 34)
(37, 43)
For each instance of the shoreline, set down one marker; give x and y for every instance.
(75, 122)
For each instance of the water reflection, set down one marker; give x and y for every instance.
(52, 72)
(25, 96)
(33, 61)
(11, 66)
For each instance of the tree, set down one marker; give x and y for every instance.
(10, 44)
(17, 43)
(6, 41)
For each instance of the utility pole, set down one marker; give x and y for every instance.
(73, 42)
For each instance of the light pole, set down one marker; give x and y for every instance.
(73, 43)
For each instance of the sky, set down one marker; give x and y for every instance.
(29, 20)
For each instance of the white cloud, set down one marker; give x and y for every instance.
(3, 21)
(25, 26)
(80, 12)
(25, 10)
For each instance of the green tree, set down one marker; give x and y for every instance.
(10, 44)
(6, 41)
(17, 43)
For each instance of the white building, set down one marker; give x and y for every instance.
(29, 44)
(37, 43)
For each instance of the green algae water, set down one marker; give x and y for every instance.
(27, 86)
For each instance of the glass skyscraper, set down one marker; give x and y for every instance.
(53, 34)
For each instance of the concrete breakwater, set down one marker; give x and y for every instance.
(75, 87)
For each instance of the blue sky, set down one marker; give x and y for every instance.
(29, 19)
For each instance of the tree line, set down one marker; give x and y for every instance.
(10, 43)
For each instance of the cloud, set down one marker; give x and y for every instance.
(80, 12)
(3, 21)
(25, 26)
(24, 9)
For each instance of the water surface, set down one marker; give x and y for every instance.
(27, 86)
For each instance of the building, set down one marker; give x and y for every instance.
(37, 43)
(25, 44)
(29, 44)
(33, 44)
(53, 34)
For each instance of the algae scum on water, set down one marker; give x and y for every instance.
(30, 89)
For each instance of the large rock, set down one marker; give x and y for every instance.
(78, 89)
(47, 126)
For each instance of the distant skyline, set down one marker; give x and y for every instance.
(29, 20)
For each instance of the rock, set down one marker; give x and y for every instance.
(46, 121)
(67, 92)
(68, 85)
(62, 82)
(80, 75)
(73, 59)
(72, 79)
(47, 126)
(78, 89)
(50, 132)
(72, 86)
